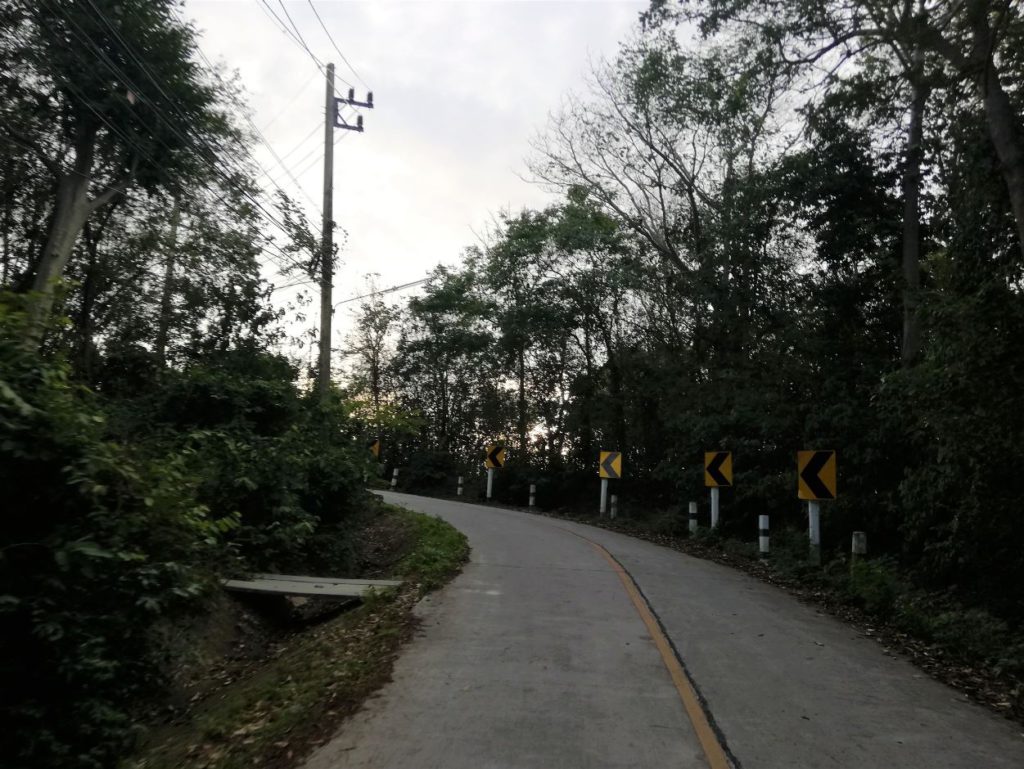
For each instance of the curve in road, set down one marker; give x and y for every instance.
(539, 655)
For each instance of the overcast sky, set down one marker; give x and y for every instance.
(460, 88)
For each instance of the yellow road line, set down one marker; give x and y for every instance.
(709, 742)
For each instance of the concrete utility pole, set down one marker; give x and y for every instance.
(332, 120)
(327, 242)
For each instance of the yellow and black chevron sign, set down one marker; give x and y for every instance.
(816, 474)
(718, 468)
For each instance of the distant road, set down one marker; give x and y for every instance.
(563, 646)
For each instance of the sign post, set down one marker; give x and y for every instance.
(609, 468)
(717, 473)
(816, 480)
(494, 459)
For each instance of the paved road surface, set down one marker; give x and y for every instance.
(537, 657)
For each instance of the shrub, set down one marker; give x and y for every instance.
(98, 544)
(875, 586)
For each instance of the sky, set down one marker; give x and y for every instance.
(460, 88)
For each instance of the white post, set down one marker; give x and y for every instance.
(859, 546)
(364, 476)
(615, 506)
(714, 507)
(533, 495)
(459, 491)
(604, 496)
(693, 517)
(490, 481)
(814, 529)
(762, 535)
(394, 477)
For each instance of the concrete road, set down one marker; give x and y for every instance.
(564, 646)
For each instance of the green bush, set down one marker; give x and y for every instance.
(286, 465)
(98, 544)
(875, 586)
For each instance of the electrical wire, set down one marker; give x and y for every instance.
(382, 291)
(336, 48)
(211, 161)
(301, 92)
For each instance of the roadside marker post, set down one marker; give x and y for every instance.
(717, 473)
(394, 477)
(609, 468)
(816, 481)
(615, 506)
(493, 459)
(858, 547)
(762, 535)
(693, 518)
(814, 530)
(459, 490)
(533, 495)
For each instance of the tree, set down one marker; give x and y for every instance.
(115, 88)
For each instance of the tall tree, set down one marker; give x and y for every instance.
(114, 88)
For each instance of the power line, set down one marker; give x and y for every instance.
(259, 134)
(133, 144)
(382, 291)
(213, 155)
(293, 285)
(211, 161)
(288, 105)
(270, 13)
(336, 48)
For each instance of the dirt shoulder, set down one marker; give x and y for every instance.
(290, 695)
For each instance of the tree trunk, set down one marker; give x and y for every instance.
(85, 348)
(70, 213)
(164, 326)
(615, 391)
(521, 418)
(1004, 124)
(912, 221)
(586, 400)
(69, 216)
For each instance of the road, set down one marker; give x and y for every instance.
(563, 646)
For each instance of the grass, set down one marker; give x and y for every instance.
(273, 717)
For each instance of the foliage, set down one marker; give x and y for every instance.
(326, 674)
(439, 552)
(727, 267)
(99, 543)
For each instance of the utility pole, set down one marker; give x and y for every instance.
(327, 242)
(332, 120)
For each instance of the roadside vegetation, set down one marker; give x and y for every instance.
(776, 226)
(278, 711)
(153, 438)
(780, 226)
